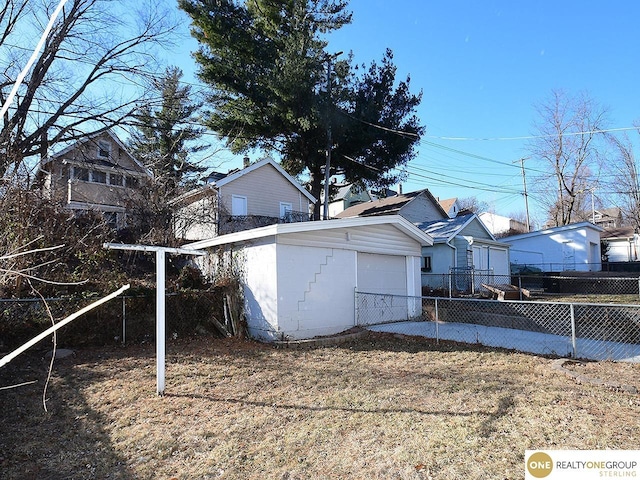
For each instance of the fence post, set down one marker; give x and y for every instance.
(520, 286)
(450, 282)
(124, 320)
(355, 306)
(638, 286)
(573, 331)
(437, 321)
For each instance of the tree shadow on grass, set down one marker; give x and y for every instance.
(67, 441)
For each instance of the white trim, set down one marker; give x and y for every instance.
(94, 206)
(397, 221)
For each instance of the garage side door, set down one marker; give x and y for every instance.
(382, 274)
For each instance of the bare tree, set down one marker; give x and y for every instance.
(87, 77)
(626, 182)
(567, 134)
(472, 204)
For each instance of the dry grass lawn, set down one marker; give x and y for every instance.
(382, 406)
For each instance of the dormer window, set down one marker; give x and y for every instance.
(104, 149)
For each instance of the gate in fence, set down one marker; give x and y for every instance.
(579, 330)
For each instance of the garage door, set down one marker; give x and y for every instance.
(382, 274)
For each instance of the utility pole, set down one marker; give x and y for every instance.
(327, 168)
(526, 198)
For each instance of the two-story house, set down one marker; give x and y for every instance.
(259, 194)
(95, 173)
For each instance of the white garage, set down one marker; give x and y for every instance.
(300, 279)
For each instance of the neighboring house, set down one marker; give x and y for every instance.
(450, 206)
(608, 217)
(346, 196)
(417, 207)
(259, 194)
(623, 245)
(570, 247)
(94, 174)
(300, 279)
(498, 225)
(462, 244)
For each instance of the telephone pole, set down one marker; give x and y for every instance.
(526, 198)
(327, 168)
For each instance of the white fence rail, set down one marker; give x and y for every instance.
(579, 330)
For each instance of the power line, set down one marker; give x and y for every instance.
(530, 137)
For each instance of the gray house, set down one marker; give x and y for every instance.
(460, 245)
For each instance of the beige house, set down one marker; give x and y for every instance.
(94, 174)
(260, 194)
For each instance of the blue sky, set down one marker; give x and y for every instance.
(482, 67)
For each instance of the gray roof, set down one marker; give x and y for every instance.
(446, 228)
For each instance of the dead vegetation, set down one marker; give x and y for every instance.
(382, 406)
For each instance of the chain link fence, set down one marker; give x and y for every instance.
(471, 282)
(125, 319)
(578, 330)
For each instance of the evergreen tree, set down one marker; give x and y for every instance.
(164, 137)
(266, 64)
(164, 142)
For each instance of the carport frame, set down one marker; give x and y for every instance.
(160, 253)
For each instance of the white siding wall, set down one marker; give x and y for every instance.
(373, 239)
(264, 188)
(558, 251)
(624, 250)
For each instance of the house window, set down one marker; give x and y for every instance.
(98, 177)
(285, 211)
(115, 179)
(80, 173)
(426, 264)
(238, 205)
(104, 149)
(111, 218)
(131, 182)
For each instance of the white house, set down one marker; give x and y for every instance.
(623, 245)
(498, 224)
(300, 279)
(570, 247)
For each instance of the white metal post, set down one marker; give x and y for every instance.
(160, 297)
(160, 320)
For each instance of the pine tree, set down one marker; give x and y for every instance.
(165, 139)
(266, 64)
